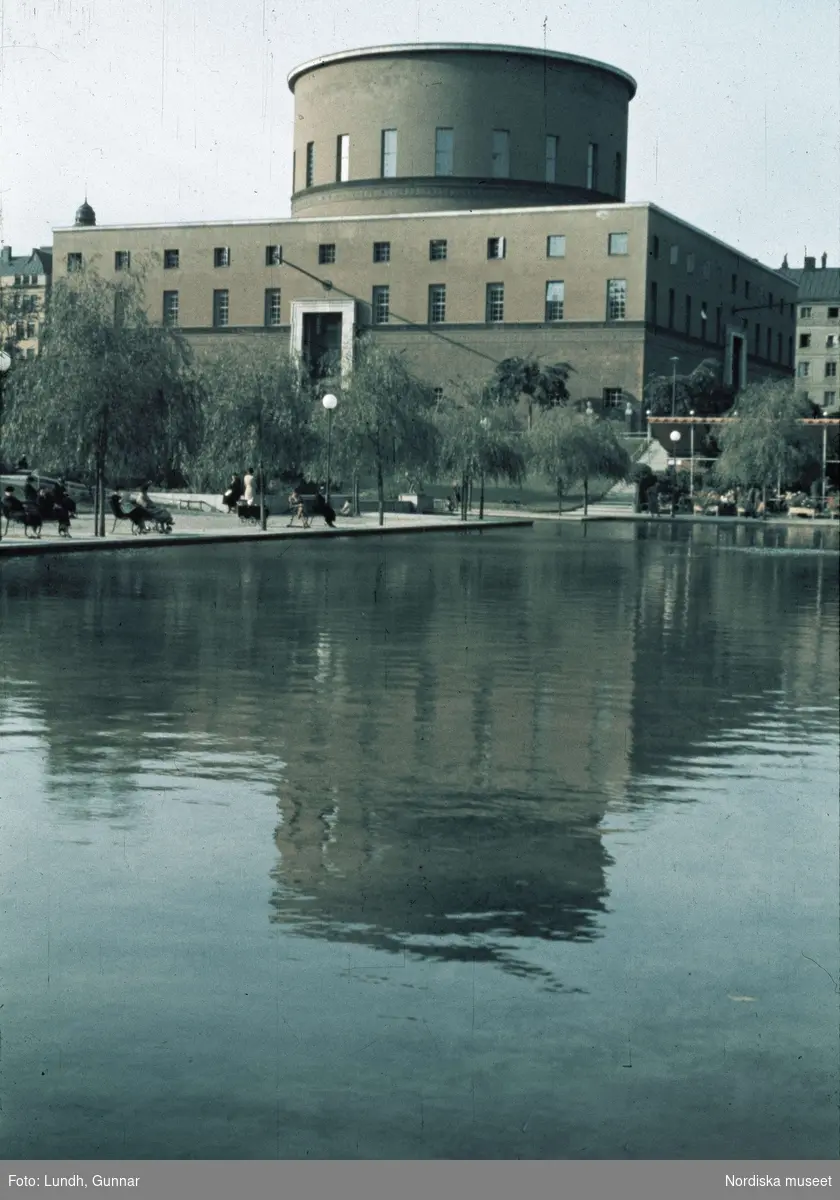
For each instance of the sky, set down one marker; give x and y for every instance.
(179, 110)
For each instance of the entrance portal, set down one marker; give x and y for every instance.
(322, 344)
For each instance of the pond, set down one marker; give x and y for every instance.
(520, 844)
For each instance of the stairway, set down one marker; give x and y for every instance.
(620, 500)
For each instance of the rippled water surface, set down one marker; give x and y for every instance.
(514, 845)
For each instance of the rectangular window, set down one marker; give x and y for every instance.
(122, 260)
(221, 308)
(381, 305)
(616, 299)
(719, 327)
(804, 341)
(831, 341)
(703, 319)
(495, 302)
(30, 329)
(654, 303)
(437, 250)
(592, 167)
(438, 394)
(496, 247)
(672, 304)
(675, 254)
(803, 370)
(389, 153)
(778, 347)
(272, 306)
(831, 370)
(613, 397)
(689, 264)
(746, 289)
(551, 158)
(805, 312)
(221, 256)
(654, 247)
(437, 303)
(618, 174)
(171, 260)
(688, 315)
(555, 296)
(769, 351)
(757, 339)
(342, 158)
(790, 351)
(170, 308)
(310, 164)
(829, 399)
(74, 262)
(556, 246)
(618, 243)
(444, 151)
(326, 253)
(381, 252)
(274, 256)
(833, 314)
(500, 156)
(733, 284)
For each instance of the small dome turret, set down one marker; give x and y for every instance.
(85, 214)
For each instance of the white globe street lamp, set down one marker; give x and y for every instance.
(329, 402)
(675, 436)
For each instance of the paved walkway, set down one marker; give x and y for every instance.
(193, 528)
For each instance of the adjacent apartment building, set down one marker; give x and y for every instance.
(462, 204)
(818, 331)
(24, 284)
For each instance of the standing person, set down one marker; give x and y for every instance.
(249, 485)
(234, 493)
(30, 492)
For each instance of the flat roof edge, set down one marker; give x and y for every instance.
(409, 48)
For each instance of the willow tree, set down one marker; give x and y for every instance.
(256, 411)
(569, 447)
(384, 419)
(479, 440)
(766, 445)
(110, 393)
(700, 390)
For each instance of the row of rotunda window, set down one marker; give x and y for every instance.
(445, 158)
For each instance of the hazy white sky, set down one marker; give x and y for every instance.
(172, 110)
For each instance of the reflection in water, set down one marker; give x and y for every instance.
(435, 749)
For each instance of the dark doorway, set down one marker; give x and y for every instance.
(737, 352)
(322, 344)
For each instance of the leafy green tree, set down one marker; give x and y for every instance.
(383, 419)
(479, 440)
(568, 447)
(541, 384)
(108, 390)
(766, 446)
(701, 390)
(257, 412)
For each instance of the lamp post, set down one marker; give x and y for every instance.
(647, 423)
(5, 364)
(628, 416)
(590, 411)
(329, 402)
(675, 436)
(691, 476)
(674, 360)
(824, 460)
(485, 425)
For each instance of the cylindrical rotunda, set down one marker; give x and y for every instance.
(450, 126)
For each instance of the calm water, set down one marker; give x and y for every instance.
(514, 845)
